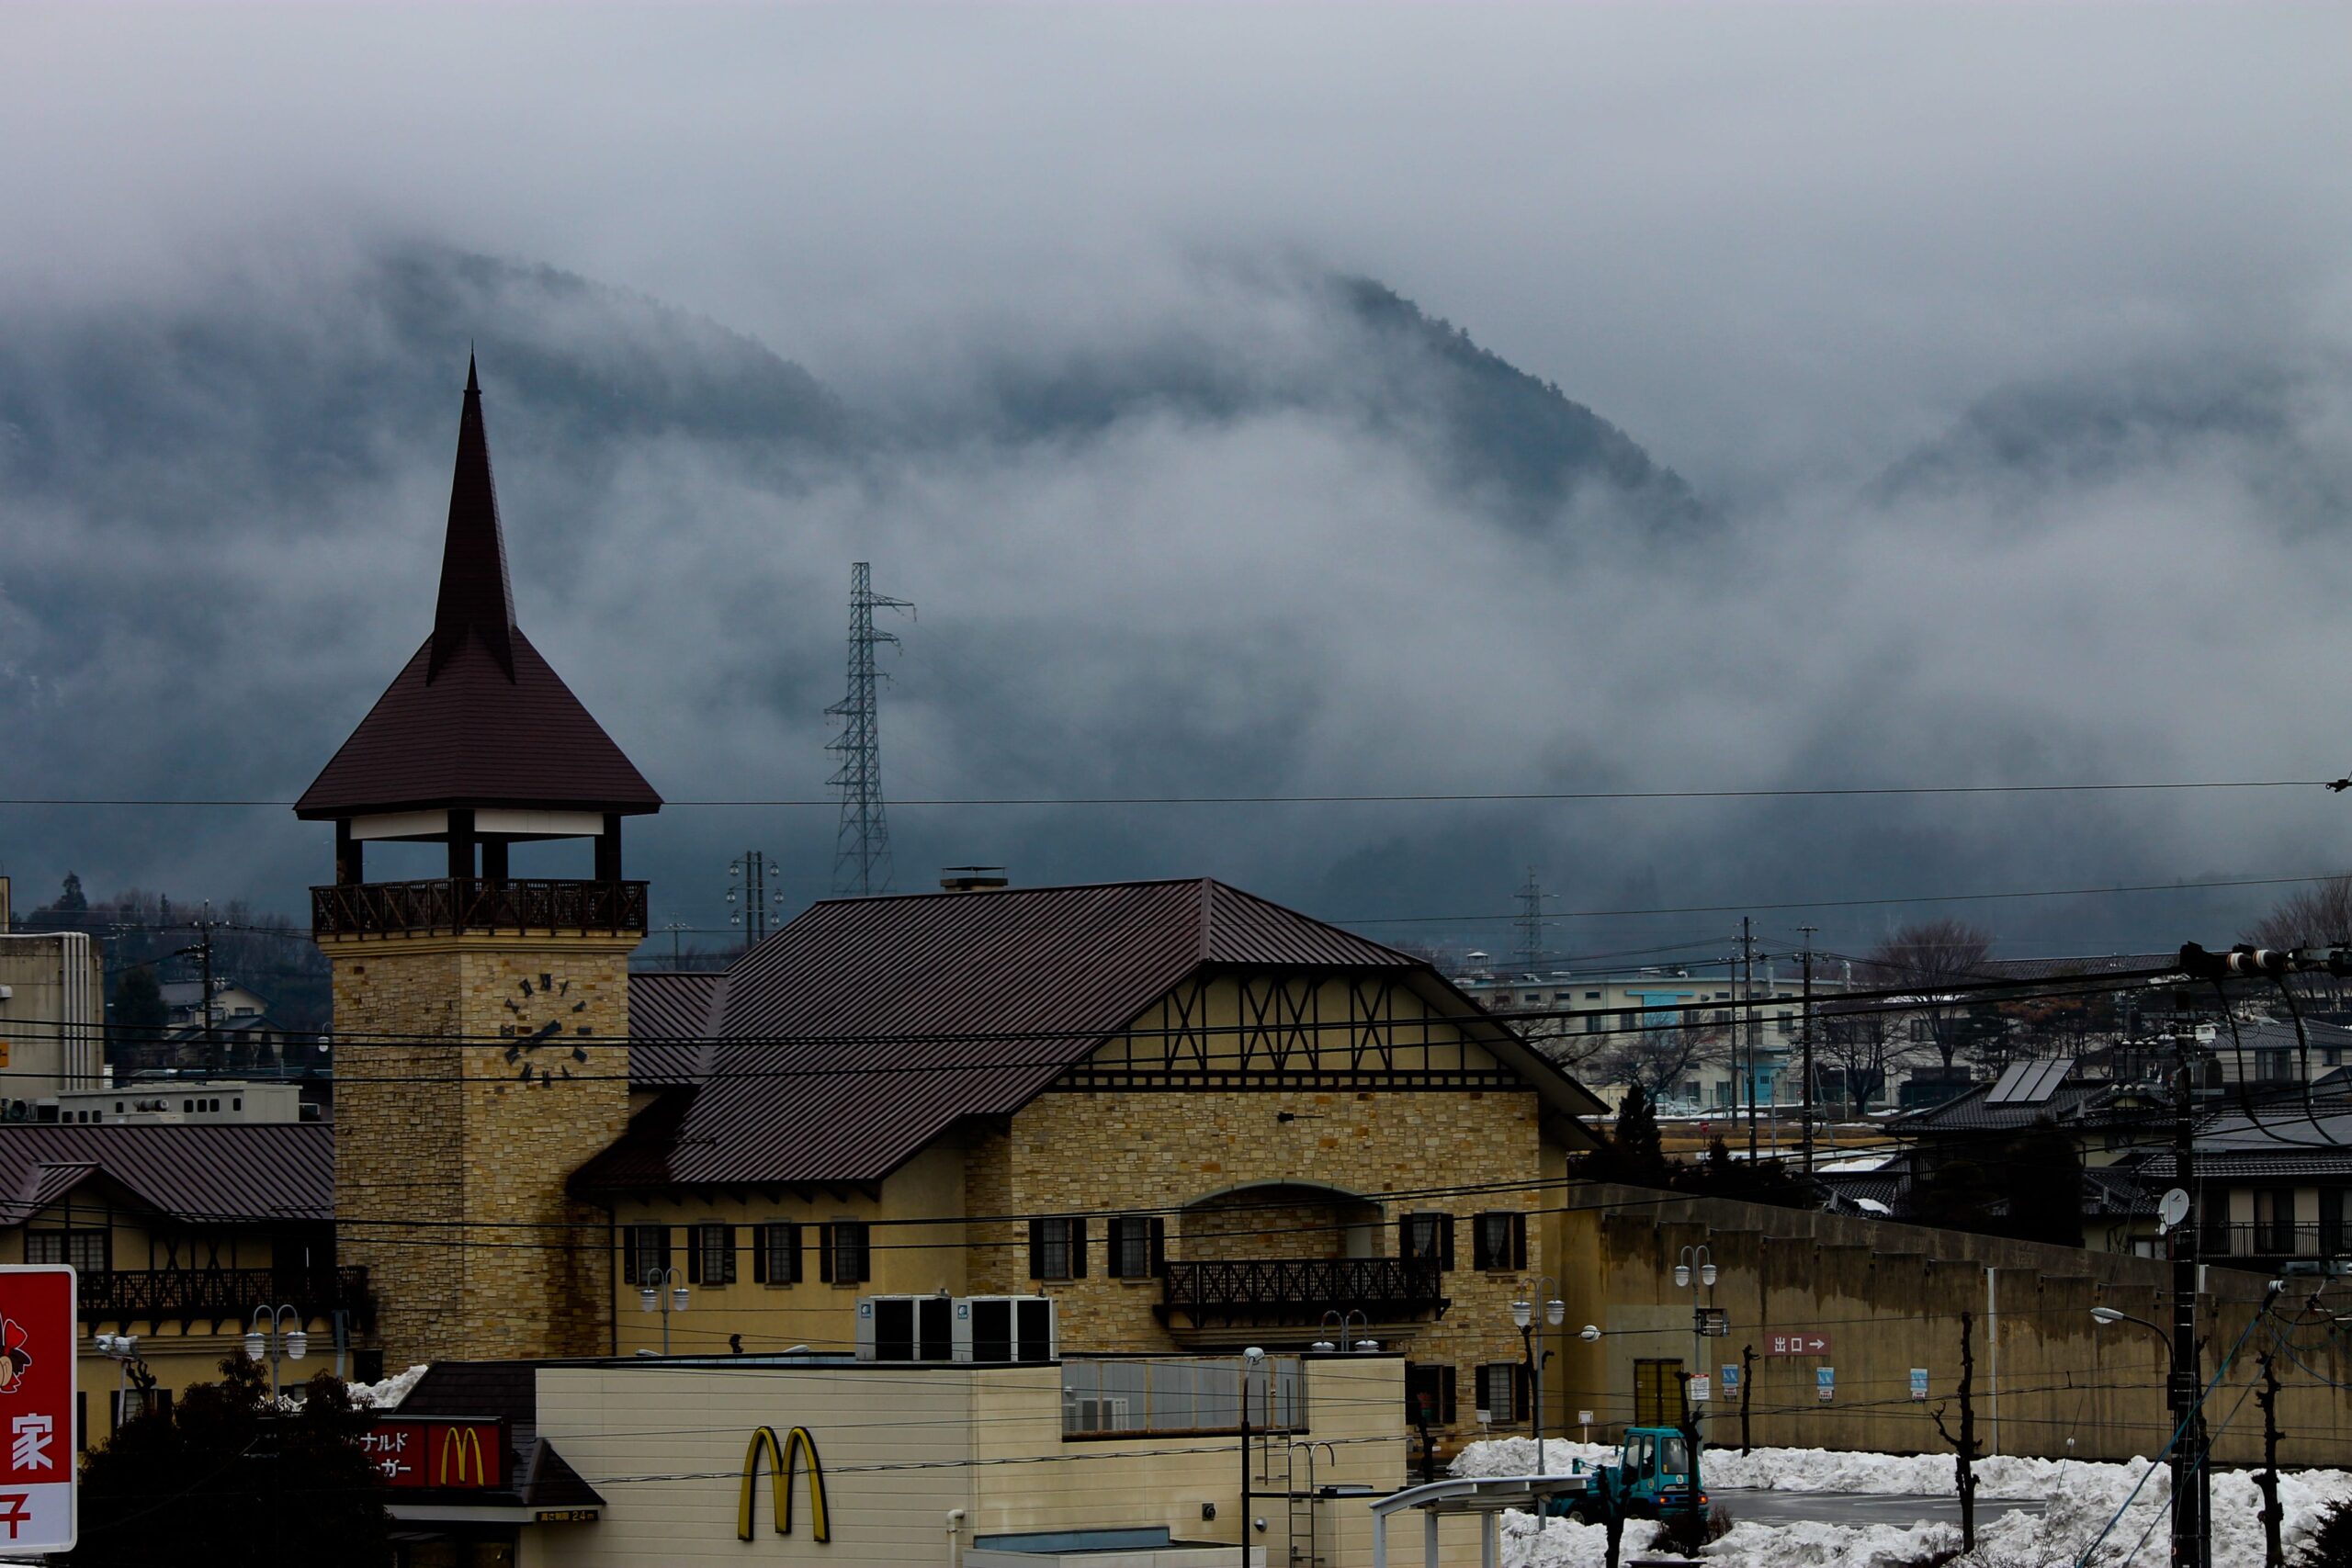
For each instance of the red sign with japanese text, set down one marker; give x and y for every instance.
(1796, 1344)
(460, 1452)
(37, 1439)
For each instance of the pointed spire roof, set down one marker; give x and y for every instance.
(477, 718)
(477, 598)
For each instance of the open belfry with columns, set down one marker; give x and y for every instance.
(1191, 1119)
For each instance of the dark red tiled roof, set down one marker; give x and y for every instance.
(471, 736)
(866, 1027)
(670, 1014)
(258, 1173)
(477, 718)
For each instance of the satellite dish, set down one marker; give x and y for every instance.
(2172, 1209)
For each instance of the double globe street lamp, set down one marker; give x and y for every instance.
(1523, 1318)
(270, 1338)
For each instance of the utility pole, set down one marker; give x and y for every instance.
(2188, 1446)
(201, 951)
(1806, 1039)
(1746, 1024)
(862, 851)
(756, 900)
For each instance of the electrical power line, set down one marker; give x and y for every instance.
(1398, 798)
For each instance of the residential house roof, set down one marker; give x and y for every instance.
(2284, 1136)
(866, 1027)
(670, 1014)
(235, 1173)
(476, 718)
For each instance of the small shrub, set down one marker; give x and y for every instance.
(2330, 1545)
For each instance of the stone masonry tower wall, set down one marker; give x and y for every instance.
(449, 1168)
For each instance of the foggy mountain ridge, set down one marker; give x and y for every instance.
(2277, 421)
(1283, 533)
(297, 401)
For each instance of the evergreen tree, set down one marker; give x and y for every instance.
(135, 1016)
(222, 1479)
(1640, 1152)
(70, 899)
(2043, 1177)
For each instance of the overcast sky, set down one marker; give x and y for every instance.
(1781, 246)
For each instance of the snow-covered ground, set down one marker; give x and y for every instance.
(2080, 1498)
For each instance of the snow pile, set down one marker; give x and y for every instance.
(386, 1394)
(2079, 1497)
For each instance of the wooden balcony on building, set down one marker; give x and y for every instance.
(193, 1295)
(1298, 1291)
(457, 904)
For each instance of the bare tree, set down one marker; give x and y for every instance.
(1928, 960)
(1865, 1046)
(2316, 916)
(1658, 1058)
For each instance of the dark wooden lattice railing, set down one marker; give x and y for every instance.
(1301, 1290)
(476, 904)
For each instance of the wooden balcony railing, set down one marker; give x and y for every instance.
(185, 1295)
(476, 904)
(1293, 1291)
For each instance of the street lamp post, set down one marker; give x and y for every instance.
(1251, 1360)
(652, 1296)
(276, 1340)
(2184, 1503)
(122, 1349)
(1523, 1316)
(1696, 1270)
(1347, 1340)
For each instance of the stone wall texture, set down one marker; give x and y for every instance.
(450, 1168)
(1888, 1298)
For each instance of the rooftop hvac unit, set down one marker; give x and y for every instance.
(958, 1328)
(904, 1328)
(1006, 1329)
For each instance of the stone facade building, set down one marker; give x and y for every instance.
(1196, 1120)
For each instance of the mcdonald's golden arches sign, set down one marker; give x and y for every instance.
(783, 1461)
(452, 1453)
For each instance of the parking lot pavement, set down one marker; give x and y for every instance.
(1859, 1508)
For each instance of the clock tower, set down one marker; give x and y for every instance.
(481, 1018)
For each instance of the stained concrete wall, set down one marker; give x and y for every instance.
(2049, 1380)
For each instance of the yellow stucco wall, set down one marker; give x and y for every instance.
(904, 1446)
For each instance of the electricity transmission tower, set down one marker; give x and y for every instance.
(861, 852)
(1531, 925)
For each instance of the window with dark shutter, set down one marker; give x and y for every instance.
(1499, 1241)
(1057, 1249)
(1428, 1394)
(844, 1254)
(1131, 1246)
(776, 1252)
(1501, 1393)
(712, 1259)
(1427, 1239)
(645, 1249)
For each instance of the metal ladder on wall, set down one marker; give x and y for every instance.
(1301, 1500)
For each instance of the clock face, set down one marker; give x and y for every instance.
(544, 1040)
